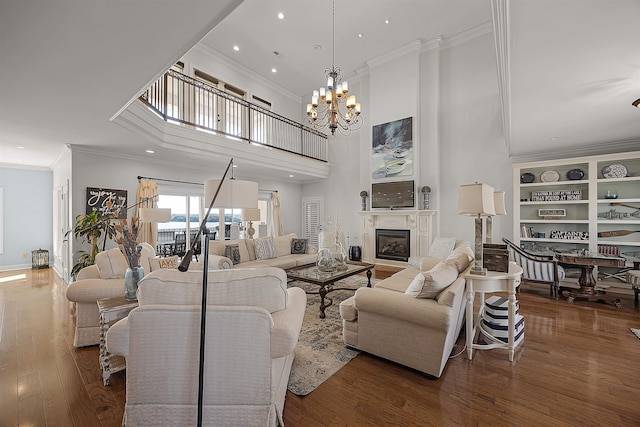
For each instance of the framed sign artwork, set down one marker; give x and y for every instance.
(98, 200)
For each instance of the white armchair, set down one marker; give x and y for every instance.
(104, 279)
(253, 324)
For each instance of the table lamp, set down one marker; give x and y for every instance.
(476, 200)
(498, 201)
(250, 215)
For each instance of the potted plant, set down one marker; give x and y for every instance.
(425, 196)
(364, 195)
(90, 228)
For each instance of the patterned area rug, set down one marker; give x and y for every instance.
(320, 351)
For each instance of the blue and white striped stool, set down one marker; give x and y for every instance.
(633, 278)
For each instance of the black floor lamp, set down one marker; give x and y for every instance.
(233, 194)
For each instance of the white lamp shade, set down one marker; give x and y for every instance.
(154, 215)
(498, 201)
(476, 199)
(234, 194)
(251, 214)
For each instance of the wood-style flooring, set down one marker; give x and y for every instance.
(579, 365)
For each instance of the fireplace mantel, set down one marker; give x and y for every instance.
(418, 221)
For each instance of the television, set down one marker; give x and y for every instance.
(391, 195)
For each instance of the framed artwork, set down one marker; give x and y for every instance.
(98, 200)
(392, 149)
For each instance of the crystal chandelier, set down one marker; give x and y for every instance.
(332, 106)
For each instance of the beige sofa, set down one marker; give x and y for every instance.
(253, 325)
(284, 258)
(418, 332)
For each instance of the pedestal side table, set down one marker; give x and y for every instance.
(111, 310)
(494, 281)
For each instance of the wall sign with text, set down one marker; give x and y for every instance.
(556, 195)
(98, 200)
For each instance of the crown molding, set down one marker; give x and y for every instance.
(413, 46)
(25, 167)
(467, 35)
(216, 55)
(597, 149)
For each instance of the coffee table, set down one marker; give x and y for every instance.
(586, 281)
(309, 273)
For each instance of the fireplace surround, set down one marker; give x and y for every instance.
(418, 222)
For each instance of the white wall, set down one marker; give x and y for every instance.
(452, 93)
(101, 171)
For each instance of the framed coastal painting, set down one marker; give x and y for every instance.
(392, 149)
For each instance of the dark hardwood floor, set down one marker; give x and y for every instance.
(579, 365)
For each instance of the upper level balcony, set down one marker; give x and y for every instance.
(203, 119)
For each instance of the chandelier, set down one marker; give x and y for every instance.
(332, 106)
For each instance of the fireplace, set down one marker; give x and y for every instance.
(393, 244)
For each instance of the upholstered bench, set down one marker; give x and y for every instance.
(633, 278)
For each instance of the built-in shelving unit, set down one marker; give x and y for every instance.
(578, 204)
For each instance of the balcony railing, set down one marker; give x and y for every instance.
(188, 101)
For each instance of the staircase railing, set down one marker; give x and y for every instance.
(182, 99)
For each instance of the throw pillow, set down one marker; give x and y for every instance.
(265, 249)
(233, 253)
(441, 247)
(283, 244)
(112, 264)
(299, 246)
(156, 263)
(435, 280)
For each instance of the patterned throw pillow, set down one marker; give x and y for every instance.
(157, 263)
(265, 248)
(233, 253)
(299, 246)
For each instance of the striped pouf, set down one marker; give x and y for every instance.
(633, 277)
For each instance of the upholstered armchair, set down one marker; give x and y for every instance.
(104, 279)
(253, 324)
(537, 269)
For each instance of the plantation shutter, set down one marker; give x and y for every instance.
(312, 212)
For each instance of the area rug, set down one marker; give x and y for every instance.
(320, 351)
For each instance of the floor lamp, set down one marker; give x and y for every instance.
(220, 194)
(498, 202)
(476, 200)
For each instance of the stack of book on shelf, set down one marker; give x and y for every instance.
(527, 232)
(495, 320)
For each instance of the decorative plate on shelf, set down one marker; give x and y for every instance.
(575, 174)
(549, 176)
(527, 178)
(614, 171)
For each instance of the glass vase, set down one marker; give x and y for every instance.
(131, 278)
(325, 260)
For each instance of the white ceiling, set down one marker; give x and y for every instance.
(69, 66)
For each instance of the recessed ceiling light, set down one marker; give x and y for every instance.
(150, 151)
(554, 138)
(360, 35)
(236, 47)
(290, 176)
(386, 21)
(235, 166)
(273, 70)
(20, 147)
(280, 15)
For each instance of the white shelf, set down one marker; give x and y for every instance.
(581, 215)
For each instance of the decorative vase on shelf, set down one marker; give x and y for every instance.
(426, 190)
(131, 278)
(363, 195)
(325, 260)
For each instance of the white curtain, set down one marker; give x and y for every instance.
(146, 197)
(276, 215)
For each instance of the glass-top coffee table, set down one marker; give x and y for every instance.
(309, 273)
